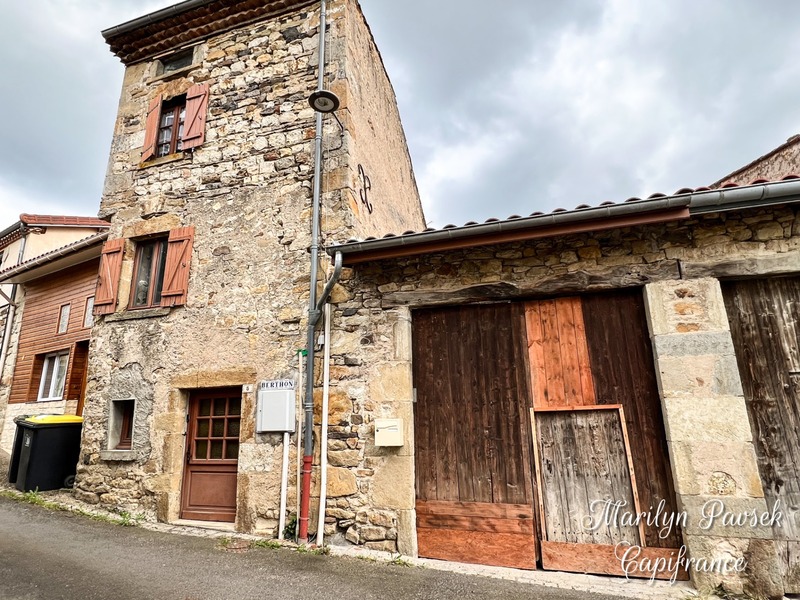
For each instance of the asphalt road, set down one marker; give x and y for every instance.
(47, 554)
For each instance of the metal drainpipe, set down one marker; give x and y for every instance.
(313, 311)
(12, 308)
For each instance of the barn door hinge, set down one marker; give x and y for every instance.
(414, 396)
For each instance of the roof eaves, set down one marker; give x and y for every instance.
(53, 255)
(657, 208)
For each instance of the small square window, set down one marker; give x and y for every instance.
(148, 270)
(88, 315)
(54, 374)
(120, 428)
(175, 62)
(63, 319)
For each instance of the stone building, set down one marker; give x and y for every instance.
(48, 270)
(204, 281)
(642, 352)
(775, 164)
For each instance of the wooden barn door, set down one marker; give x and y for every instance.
(598, 431)
(473, 478)
(212, 455)
(764, 316)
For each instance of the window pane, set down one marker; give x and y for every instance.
(205, 407)
(232, 450)
(219, 407)
(60, 375)
(47, 377)
(159, 277)
(235, 406)
(233, 428)
(163, 150)
(165, 136)
(88, 316)
(218, 428)
(201, 449)
(143, 274)
(202, 428)
(216, 450)
(63, 319)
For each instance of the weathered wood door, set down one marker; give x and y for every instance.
(764, 316)
(212, 455)
(473, 478)
(598, 432)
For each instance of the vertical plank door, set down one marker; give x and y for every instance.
(764, 316)
(582, 441)
(472, 437)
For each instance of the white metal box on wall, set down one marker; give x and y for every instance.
(389, 432)
(275, 406)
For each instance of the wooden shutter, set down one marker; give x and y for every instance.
(176, 271)
(151, 129)
(105, 296)
(194, 132)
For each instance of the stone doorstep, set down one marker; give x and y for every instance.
(597, 584)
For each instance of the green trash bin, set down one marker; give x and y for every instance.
(48, 447)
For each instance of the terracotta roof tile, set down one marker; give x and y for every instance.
(62, 220)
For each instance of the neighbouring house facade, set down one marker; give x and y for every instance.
(643, 353)
(48, 273)
(775, 164)
(203, 285)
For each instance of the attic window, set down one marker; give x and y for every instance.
(176, 62)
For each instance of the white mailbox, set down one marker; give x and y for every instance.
(275, 406)
(389, 432)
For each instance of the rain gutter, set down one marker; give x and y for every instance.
(628, 214)
(153, 17)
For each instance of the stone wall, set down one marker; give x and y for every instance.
(7, 376)
(247, 192)
(372, 357)
(708, 432)
(774, 166)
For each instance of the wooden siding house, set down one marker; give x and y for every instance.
(51, 283)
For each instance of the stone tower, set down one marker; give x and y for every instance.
(204, 281)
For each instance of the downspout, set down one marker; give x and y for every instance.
(313, 310)
(12, 310)
(323, 444)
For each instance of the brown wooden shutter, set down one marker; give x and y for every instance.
(194, 132)
(176, 271)
(151, 129)
(105, 296)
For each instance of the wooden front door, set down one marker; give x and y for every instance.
(598, 432)
(764, 316)
(472, 454)
(212, 455)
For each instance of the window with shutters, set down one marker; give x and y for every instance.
(177, 124)
(148, 273)
(160, 275)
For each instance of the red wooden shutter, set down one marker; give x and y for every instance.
(151, 129)
(105, 296)
(176, 271)
(194, 132)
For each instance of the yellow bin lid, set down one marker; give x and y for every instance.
(52, 419)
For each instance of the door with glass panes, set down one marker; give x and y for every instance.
(212, 455)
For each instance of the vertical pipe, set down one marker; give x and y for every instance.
(323, 444)
(284, 484)
(298, 462)
(12, 306)
(313, 312)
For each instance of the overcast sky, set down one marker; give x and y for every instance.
(509, 107)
